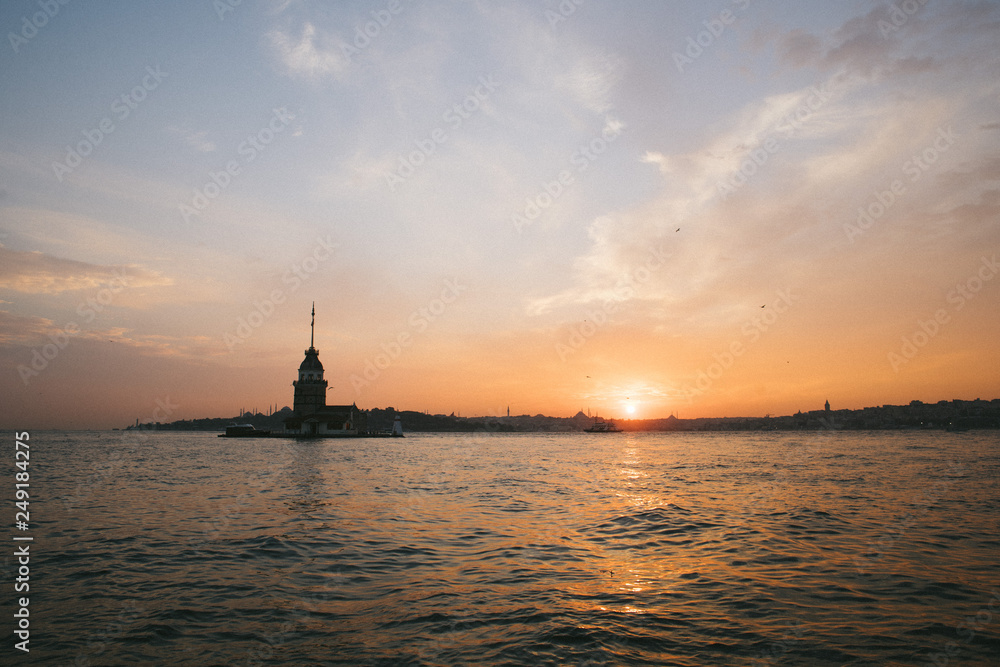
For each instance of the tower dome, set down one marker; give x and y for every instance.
(311, 363)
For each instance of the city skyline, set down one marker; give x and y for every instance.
(723, 209)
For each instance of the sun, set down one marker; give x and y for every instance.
(630, 409)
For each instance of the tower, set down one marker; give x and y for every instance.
(310, 388)
(826, 408)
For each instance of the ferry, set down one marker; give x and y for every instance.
(601, 426)
(243, 431)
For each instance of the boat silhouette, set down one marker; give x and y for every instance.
(601, 426)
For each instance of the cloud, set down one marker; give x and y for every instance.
(778, 228)
(196, 140)
(869, 46)
(30, 330)
(23, 330)
(310, 55)
(591, 81)
(799, 47)
(38, 273)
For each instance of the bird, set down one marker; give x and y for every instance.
(764, 305)
(677, 230)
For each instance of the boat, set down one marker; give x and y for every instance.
(601, 426)
(243, 431)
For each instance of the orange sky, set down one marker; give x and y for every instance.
(551, 216)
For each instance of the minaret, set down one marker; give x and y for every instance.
(310, 388)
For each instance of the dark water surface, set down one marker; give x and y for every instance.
(830, 548)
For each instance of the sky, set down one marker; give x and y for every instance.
(726, 208)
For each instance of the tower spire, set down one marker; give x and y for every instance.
(312, 327)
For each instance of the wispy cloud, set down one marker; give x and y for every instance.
(29, 330)
(38, 273)
(310, 53)
(199, 141)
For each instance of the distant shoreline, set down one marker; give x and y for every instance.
(955, 415)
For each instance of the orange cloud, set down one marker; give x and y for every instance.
(39, 273)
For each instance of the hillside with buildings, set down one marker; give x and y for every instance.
(952, 415)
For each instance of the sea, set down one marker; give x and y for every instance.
(742, 548)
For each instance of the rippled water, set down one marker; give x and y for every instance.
(831, 548)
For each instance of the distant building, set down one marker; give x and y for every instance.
(310, 413)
